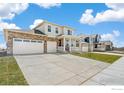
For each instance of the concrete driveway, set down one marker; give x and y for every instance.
(58, 69)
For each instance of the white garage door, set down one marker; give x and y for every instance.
(26, 46)
(84, 47)
(51, 46)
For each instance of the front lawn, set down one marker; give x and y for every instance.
(10, 73)
(101, 57)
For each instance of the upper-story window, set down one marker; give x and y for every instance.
(94, 40)
(57, 31)
(86, 39)
(49, 28)
(69, 32)
(82, 39)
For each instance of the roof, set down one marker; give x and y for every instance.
(24, 30)
(19, 31)
(69, 36)
(52, 24)
(93, 35)
(106, 42)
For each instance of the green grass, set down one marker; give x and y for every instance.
(101, 57)
(10, 73)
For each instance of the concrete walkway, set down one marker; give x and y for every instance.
(58, 69)
(113, 75)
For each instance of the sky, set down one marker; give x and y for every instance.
(86, 18)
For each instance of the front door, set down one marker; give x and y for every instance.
(67, 47)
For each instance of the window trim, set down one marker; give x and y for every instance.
(77, 43)
(56, 30)
(69, 32)
(49, 28)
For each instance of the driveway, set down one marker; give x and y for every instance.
(58, 69)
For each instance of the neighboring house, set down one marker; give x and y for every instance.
(48, 37)
(90, 41)
(94, 43)
(104, 46)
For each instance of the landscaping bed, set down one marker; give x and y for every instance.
(10, 73)
(96, 56)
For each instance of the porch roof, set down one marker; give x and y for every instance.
(68, 37)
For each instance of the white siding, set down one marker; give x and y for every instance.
(53, 33)
(53, 30)
(51, 46)
(65, 30)
(42, 28)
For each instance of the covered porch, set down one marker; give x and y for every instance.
(68, 43)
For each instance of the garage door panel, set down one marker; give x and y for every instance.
(51, 46)
(21, 47)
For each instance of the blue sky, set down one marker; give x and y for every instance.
(85, 18)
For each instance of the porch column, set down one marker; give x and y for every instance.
(70, 44)
(64, 44)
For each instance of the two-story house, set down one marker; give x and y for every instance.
(48, 37)
(94, 43)
(66, 40)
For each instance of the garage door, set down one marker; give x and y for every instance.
(84, 47)
(26, 46)
(51, 46)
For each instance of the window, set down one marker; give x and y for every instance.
(93, 40)
(39, 41)
(72, 45)
(77, 43)
(38, 32)
(69, 32)
(33, 41)
(57, 31)
(49, 28)
(86, 39)
(96, 46)
(60, 43)
(82, 40)
(26, 40)
(18, 40)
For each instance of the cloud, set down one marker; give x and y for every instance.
(110, 36)
(5, 25)
(9, 10)
(87, 18)
(48, 5)
(113, 37)
(36, 22)
(116, 33)
(114, 13)
(2, 45)
(115, 6)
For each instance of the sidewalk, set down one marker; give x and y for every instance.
(113, 75)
